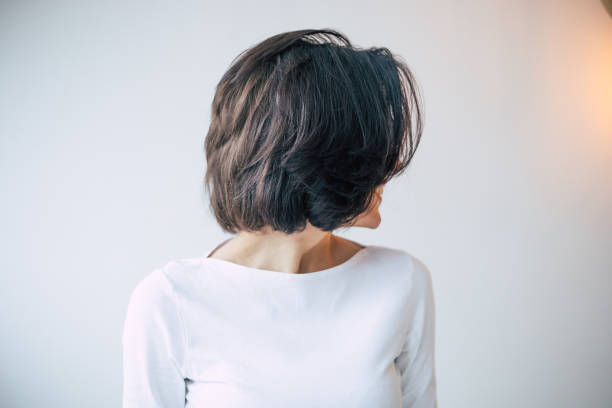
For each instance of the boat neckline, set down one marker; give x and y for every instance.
(267, 273)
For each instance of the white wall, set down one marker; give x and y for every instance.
(103, 111)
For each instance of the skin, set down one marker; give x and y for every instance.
(307, 251)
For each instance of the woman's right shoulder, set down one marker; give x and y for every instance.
(405, 261)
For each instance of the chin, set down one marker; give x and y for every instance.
(376, 223)
(369, 219)
(372, 221)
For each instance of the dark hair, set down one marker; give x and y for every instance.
(304, 127)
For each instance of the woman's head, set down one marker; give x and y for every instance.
(305, 127)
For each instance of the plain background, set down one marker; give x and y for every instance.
(103, 111)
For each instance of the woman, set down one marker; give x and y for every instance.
(306, 130)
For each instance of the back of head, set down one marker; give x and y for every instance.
(304, 127)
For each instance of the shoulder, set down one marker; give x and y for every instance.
(404, 263)
(153, 329)
(160, 289)
(151, 296)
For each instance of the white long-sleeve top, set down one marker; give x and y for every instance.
(208, 333)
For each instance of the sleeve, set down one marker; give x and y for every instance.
(416, 362)
(153, 347)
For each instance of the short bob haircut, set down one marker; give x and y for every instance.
(304, 127)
